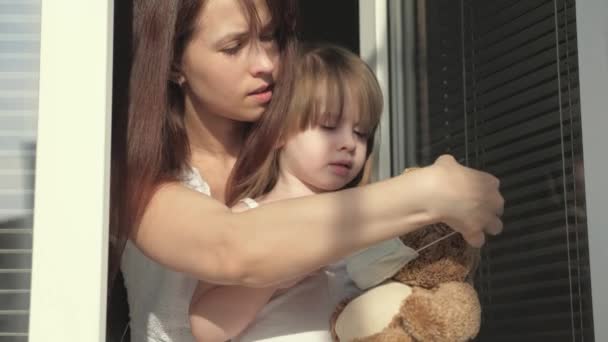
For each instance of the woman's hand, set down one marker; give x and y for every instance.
(467, 200)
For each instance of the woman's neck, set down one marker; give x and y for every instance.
(215, 143)
(214, 135)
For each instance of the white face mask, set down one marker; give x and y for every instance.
(381, 261)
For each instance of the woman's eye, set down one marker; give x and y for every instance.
(232, 50)
(268, 36)
(327, 127)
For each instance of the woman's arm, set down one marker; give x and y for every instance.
(225, 311)
(197, 235)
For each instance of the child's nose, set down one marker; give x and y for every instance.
(348, 141)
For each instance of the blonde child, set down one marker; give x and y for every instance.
(325, 142)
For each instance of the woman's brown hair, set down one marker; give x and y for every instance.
(325, 75)
(149, 140)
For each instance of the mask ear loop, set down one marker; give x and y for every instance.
(434, 242)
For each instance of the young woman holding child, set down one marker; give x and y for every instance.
(202, 73)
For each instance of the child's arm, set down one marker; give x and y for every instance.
(223, 312)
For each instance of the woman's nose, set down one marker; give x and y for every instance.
(263, 60)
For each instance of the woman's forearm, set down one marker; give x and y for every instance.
(288, 238)
(194, 234)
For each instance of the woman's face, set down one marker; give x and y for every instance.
(227, 69)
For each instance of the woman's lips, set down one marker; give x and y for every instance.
(262, 94)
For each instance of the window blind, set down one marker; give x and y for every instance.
(498, 88)
(19, 64)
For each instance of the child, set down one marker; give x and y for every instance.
(325, 143)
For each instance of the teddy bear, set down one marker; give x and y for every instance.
(430, 298)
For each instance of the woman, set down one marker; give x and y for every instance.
(201, 73)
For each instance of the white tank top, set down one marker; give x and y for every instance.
(158, 297)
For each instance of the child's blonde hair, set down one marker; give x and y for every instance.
(326, 75)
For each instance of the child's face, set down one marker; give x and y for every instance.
(327, 157)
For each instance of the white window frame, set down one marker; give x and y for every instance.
(373, 48)
(69, 267)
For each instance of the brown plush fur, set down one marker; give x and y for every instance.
(450, 312)
(388, 335)
(443, 306)
(451, 259)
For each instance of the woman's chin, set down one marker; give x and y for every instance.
(251, 115)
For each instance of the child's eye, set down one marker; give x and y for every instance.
(327, 127)
(362, 135)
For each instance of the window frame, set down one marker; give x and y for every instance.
(373, 49)
(70, 236)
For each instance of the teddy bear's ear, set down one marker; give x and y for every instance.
(450, 259)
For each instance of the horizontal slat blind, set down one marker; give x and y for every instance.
(19, 64)
(502, 95)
